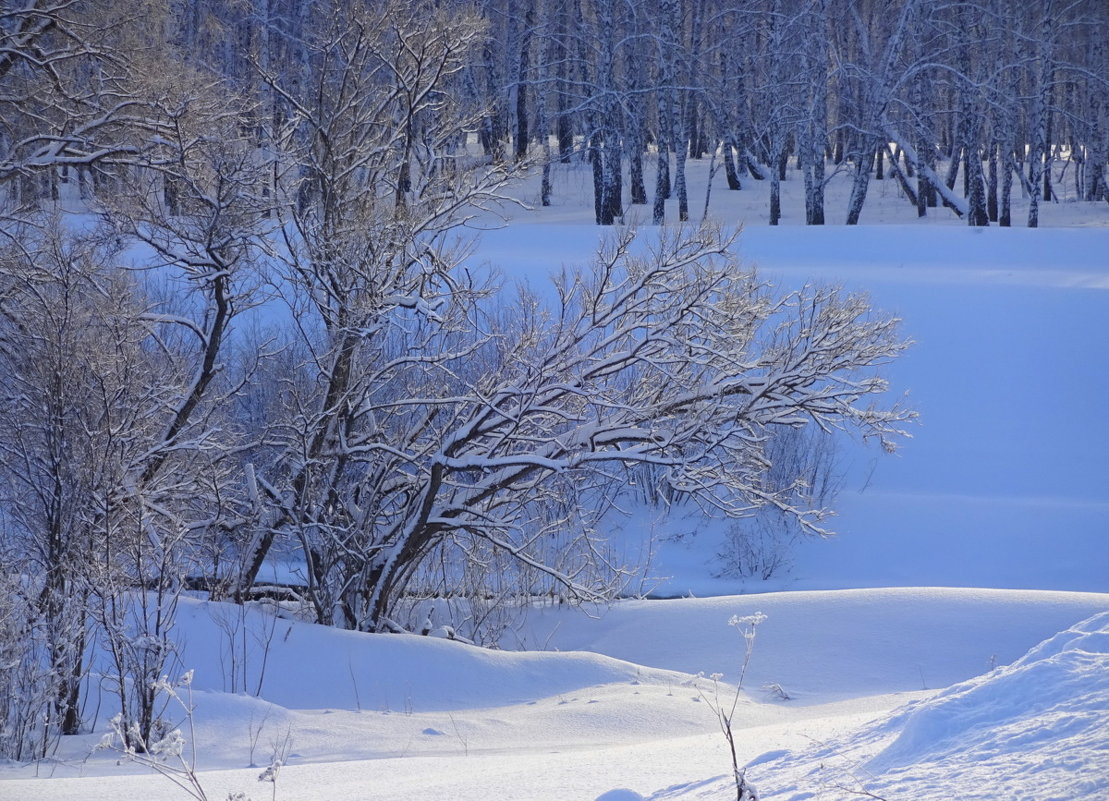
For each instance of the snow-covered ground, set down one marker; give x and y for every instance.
(901, 660)
(408, 717)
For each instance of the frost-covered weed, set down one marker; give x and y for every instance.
(169, 754)
(747, 625)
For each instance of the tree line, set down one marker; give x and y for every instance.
(955, 101)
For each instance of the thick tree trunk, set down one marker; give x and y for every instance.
(564, 128)
(565, 137)
(1041, 120)
(635, 175)
(680, 139)
(680, 185)
(922, 189)
(522, 134)
(952, 170)
(1049, 153)
(635, 135)
(612, 202)
(1008, 167)
(977, 215)
(775, 199)
(817, 215)
(596, 162)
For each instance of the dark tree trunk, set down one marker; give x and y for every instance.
(635, 175)
(680, 186)
(545, 184)
(635, 134)
(775, 199)
(1008, 167)
(612, 201)
(1049, 152)
(991, 183)
(662, 185)
(730, 173)
(522, 134)
(753, 168)
(667, 186)
(565, 137)
(863, 161)
(564, 127)
(952, 170)
(816, 213)
(596, 161)
(977, 215)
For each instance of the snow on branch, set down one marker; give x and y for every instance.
(661, 353)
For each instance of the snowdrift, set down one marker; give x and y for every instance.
(826, 645)
(1038, 728)
(304, 666)
(414, 717)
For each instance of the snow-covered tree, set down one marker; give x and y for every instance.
(482, 430)
(372, 182)
(112, 469)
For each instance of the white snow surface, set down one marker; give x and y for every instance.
(406, 717)
(951, 643)
(1035, 729)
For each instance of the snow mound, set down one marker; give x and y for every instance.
(826, 645)
(298, 665)
(1036, 728)
(620, 794)
(1042, 711)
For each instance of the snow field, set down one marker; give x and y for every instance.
(1002, 483)
(434, 716)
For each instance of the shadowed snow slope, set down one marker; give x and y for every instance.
(304, 666)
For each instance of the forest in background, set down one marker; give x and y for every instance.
(955, 100)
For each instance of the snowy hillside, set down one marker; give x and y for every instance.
(1033, 729)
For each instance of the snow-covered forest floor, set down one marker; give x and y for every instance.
(895, 660)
